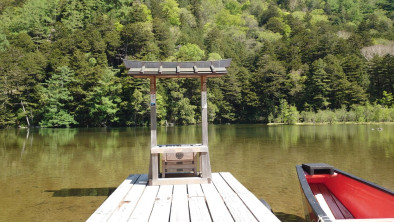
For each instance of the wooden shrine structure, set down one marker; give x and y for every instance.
(178, 158)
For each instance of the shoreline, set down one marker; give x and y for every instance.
(328, 123)
(268, 124)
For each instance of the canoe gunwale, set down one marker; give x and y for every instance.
(307, 192)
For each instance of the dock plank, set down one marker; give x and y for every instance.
(235, 205)
(180, 205)
(144, 208)
(162, 206)
(111, 203)
(197, 205)
(216, 205)
(257, 208)
(225, 199)
(127, 205)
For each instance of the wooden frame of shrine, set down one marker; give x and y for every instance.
(197, 69)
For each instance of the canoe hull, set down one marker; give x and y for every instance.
(356, 198)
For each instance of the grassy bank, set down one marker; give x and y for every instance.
(358, 114)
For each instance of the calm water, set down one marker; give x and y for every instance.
(65, 174)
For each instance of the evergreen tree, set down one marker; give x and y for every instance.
(55, 95)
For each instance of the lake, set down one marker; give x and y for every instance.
(65, 174)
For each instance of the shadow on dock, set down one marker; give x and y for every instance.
(79, 192)
(289, 217)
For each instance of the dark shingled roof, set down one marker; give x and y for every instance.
(145, 69)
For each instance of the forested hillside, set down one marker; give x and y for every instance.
(61, 60)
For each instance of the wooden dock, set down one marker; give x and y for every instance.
(225, 199)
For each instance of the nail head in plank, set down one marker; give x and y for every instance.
(162, 206)
(130, 201)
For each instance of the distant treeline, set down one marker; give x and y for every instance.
(288, 114)
(61, 60)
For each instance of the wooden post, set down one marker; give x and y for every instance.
(205, 165)
(154, 158)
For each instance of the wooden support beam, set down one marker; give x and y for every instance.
(205, 165)
(204, 105)
(154, 158)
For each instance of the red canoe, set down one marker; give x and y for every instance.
(333, 195)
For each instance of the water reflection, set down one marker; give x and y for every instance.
(262, 158)
(79, 192)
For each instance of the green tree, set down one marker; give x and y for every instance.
(190, 52)
(138, 39)
(381, 76)
(55, 95)
(164, 37)
(171, 12)
(271, 83)
(103, 100)
(318, 85)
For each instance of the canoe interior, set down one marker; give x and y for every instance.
(360, 198)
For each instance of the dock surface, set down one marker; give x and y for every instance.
(225, 199)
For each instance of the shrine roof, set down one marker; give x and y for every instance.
(147, 69)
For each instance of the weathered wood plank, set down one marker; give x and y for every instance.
(111, 203)
(153, 165)
(257, 208)
(179, 181)
(235, 205)
(128, 204)
(226, 199)
(204, 157)
(144, 208)
(180, 206)
(162, 205)
(192, 148)
(197, 206)
(217, 208)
